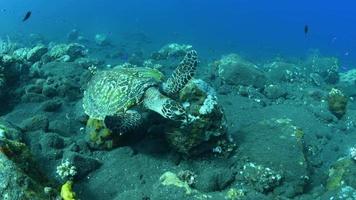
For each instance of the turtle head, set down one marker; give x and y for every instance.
(174, 111)
(163, 105)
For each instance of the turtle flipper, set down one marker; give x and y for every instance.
(182, 74)
(123, 122)
(163, 105)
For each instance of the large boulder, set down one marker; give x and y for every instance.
(276, 160)
(36, 53)
(234, 70)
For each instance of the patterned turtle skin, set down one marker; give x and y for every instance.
(112, 91)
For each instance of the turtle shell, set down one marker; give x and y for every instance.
(116, 90)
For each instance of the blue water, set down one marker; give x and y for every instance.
(256, 29)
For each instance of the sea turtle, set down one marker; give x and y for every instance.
(112, 93)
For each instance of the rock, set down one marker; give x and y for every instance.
(207, 128)
(19, 175)
(73, 35)
(37, 122)
(263, 179)
(49, 91)
(234, 70)
(274, 91)
(35, 69)
(349, 77)
(169, 183)
(173, 49)
(51, 140)
(21, 53)
(342, 173)
(278, 145)
(326, 67)
(73, 50)
(214, 180)
(33, 98)
(86, 62)
(59, 69)
(337, 102)
(36, 53)
(102, 40)
(9, 131)
(79, 114)
(15, 184)
(345, 192)
(280, 71)
(63, 127)
(83, 164)
(51, 105)
(33, 89)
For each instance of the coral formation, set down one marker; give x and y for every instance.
(98, 136)
(207, 125)
(66, 170)
(67, 191)
(341, 174)
(263, 179)
(337, 102)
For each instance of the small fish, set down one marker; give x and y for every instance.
(27, 16)
(306, 30)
